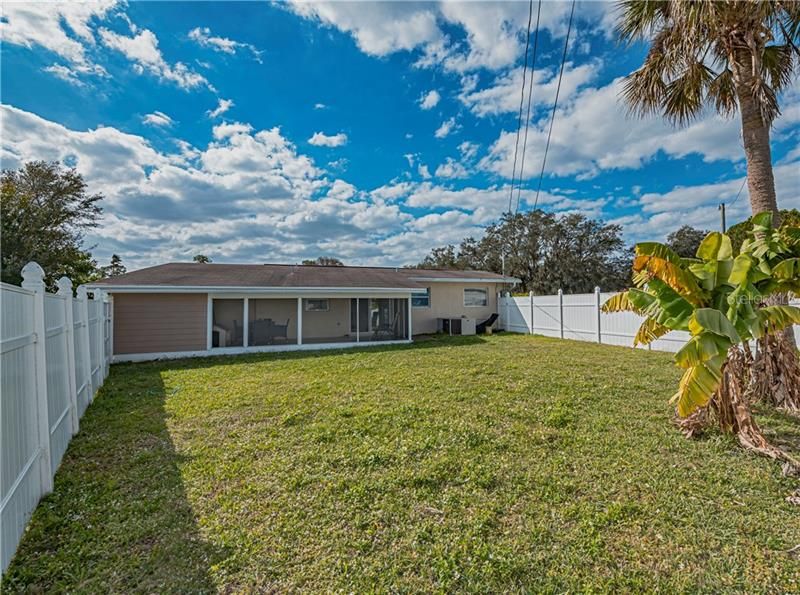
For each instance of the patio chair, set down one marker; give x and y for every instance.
(280, 331)
(260, 332)
(387, 328)
(481, 328)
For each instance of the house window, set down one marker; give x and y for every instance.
(476, 297)
(317, 305)
(419, 300)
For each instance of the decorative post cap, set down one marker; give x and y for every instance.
(32, 275)
(597, 290)
(64, 286)
(82, 293)
(560, 292)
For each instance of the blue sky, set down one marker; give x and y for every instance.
(273, 132)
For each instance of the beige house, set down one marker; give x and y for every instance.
(191, 309)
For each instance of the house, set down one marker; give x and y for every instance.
(190, 309)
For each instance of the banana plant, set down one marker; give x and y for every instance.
(717, 298)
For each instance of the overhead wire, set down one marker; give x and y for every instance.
(521, 102)
(555, 105)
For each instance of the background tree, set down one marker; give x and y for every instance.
(44, 211)
(739, 232)
(114, 268)
(545, 252)
(686, 240)
(201, 258)
(730, 55)
(324, 261)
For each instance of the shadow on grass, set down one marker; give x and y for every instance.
(119, 519)
(422, 342)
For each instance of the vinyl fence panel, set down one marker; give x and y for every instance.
(578, 317)
(49, 354)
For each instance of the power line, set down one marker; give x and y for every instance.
(530, 96)
(521, 101)
(738, 194)
(555, 105)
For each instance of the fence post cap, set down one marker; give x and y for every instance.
(560, 292)
(32, 275)
(82, 292)
(64, 286)
(597, 290)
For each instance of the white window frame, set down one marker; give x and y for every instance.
(308, 301)
(485, 293)
(417, 295)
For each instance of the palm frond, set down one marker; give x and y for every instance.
(722, 92)
(685, 95)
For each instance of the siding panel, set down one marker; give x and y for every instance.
(159, 322)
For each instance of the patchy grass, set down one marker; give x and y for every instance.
(505, 463)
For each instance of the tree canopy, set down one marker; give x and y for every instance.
(114, 268)
(546, 252)
(685, 240)
(324, 261)
(201, 259)
(739, 232)
(44, 211)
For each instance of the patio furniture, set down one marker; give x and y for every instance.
(385, 328)
(481, 328)
(279, 331)
(260, 332)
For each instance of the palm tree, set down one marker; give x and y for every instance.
(723, 55)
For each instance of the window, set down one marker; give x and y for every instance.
(317, 305)
(419, 300)
(476, 297)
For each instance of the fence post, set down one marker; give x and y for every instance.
(65, 290)
(100, 296)
(561, 313)
(508, 312)
(530, 305)
(85, 338)
(597, 307)
(33, 280)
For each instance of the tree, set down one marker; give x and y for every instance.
(685, 240)
(201, 258)
(545, 252)
(739, 232)
(45, 210)
(324, 261)
(728, 55)
(720, 301)
(114, 268)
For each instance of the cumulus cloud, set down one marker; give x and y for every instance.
(430, 100)
(451, 169)
(203, 36)
(223, 105)
(157, 119)
(142, 49)
(320, 139)
(446, 128)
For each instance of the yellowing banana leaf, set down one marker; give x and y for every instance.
(682, 281)
(702, 348)
(741, 269)
(619, 303)
(715, 246)
(649, 331)
(777, 318)
(697, 385)
(787, 269)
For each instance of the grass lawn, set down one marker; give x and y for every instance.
(504, 463)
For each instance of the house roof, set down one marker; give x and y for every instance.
(208, 275)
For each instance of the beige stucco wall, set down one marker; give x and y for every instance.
(447, 300)
(159, 322)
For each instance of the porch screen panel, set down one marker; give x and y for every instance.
(228, 327)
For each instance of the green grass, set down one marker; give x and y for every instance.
(505, 463)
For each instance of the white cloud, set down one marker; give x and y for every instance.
(48, 25)
(320, 106)
(423, 171)
(429, 100)
(468, 150)
(451, 169)
(223, 105)
(202, 35)
(65, 73)
(142, 50)
(446, 128)
(157, 119)
(594, 132)
(320, 139)
(341, 190)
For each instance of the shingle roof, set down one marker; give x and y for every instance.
(178, 274)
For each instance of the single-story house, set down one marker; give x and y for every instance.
(190, 309)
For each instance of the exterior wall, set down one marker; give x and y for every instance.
(159, 322)
(447, 301)
(324, 325)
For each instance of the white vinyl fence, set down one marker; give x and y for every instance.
(54, 355)
(578, 316)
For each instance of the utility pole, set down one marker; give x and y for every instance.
(722, 214)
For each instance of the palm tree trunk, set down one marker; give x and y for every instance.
(783, 368)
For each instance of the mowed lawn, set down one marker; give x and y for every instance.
(502, 463)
